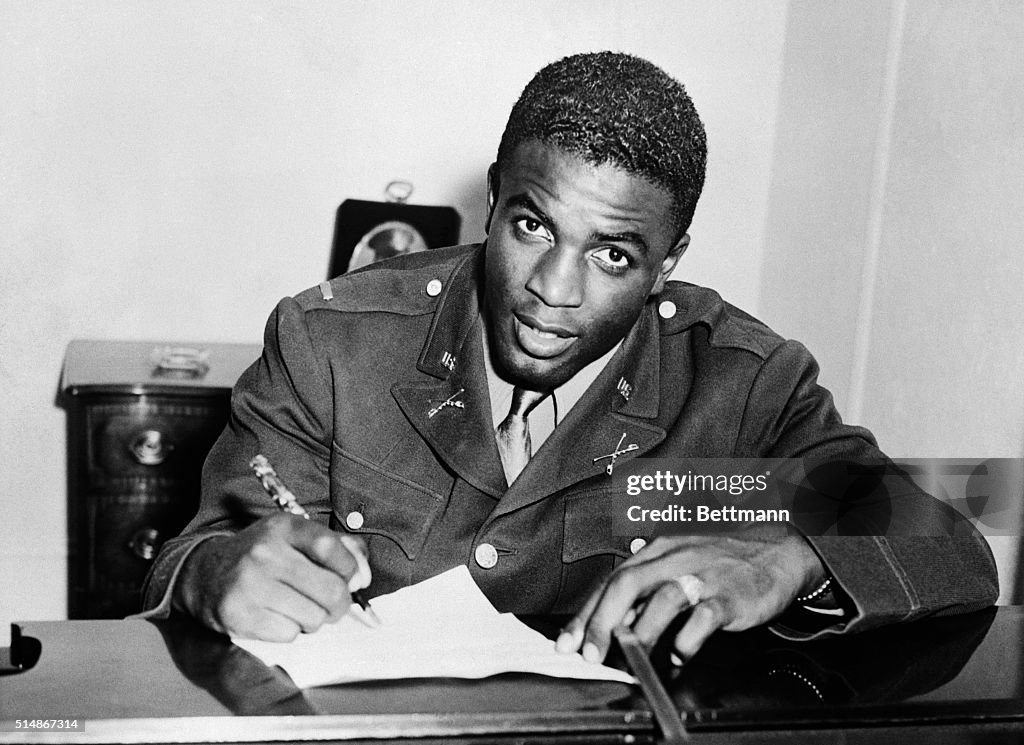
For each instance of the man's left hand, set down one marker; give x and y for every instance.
(745, 579)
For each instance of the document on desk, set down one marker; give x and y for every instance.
(444, 627)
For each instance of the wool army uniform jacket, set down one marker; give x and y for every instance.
(346, 401)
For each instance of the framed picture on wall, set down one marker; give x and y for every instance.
(367, 231)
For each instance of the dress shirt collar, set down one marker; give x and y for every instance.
(553, 409)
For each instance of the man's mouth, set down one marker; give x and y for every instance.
(539, 339)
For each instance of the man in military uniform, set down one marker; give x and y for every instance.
(460, 406)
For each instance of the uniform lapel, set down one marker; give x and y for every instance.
(620, 410)
(453, 413)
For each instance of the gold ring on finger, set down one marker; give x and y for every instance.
(692, 587)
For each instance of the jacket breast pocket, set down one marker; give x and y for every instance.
(368, 500)
(590, 547)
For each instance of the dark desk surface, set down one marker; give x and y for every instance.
(955, 679)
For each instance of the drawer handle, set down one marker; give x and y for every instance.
(145, 543)
(150, 448)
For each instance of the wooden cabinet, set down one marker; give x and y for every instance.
(141, 418)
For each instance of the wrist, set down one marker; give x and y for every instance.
(190, 586)
(818, 594)
(816, 581)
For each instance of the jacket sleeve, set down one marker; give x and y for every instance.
(896, 553)
(282, 407)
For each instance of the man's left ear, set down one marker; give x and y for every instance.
(668, 264)
(492, 194)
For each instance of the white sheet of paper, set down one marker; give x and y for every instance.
(441, 628)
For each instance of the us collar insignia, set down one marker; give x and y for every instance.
(448, 402)
(619, 450)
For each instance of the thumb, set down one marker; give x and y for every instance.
(363, 576)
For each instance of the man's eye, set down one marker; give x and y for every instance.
(530, 226)
(613, 258)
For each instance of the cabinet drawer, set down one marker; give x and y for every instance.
(149, 439)
(127, 530)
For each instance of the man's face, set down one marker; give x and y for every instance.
(573, 252)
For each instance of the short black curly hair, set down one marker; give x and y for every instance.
(610, 107)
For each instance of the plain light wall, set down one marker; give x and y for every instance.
(823, 179)
(943, 343)
(896, 221)
(169, 171)
(948, 306)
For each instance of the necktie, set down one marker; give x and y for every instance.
(513, 434)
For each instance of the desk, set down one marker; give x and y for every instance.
(952, 680)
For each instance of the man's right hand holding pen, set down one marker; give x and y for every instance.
(279, 577)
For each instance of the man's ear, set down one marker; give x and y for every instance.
(668, 264)
(492, 194)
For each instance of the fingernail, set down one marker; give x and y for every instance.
(676, 659)
(570, 639)
(590, 653)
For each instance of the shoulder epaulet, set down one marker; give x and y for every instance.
(682, 305)
(402, 285)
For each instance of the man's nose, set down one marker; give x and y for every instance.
(557, 278)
